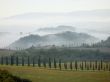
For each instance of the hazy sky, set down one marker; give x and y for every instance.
(16, 7)
(13, 7)
(93, 21)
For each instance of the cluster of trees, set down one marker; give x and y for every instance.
(103, 43)
(5, 76)
(55, 63)
(67, 54)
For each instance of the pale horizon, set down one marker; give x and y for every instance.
(15, 7)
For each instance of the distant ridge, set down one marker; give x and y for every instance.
(58, 39)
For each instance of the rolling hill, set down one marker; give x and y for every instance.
(58, 39)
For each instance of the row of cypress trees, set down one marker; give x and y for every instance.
(77, 65)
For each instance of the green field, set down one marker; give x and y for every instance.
(36, 74)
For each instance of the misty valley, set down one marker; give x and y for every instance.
(54, 40)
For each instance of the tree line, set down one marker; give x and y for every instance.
(54, 63)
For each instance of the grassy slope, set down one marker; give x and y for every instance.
(45, 75)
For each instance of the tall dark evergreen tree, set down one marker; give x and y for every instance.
(71, 65)
(65, 65)
(17, 61)
(2, 60)
(109, 66)
(33, 61)
(55, 65)
(39, 61)
(85, 64)
(6, 58)
(96, 64)
(90, 64)
(44, 63)
(49, 63)
(104, 68)
(60, 64)
(12, 60)
(76, 65)
(22, 61)
(101, 64)
(28, 61)
(82, 66)
(93, 67)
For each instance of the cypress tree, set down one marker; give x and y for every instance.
(82, 66)
(71, 66)
(12, 60)
(101, 64)
(28, 61)
(22, 61)
(33, 61)
(85, 64)
(60, 64)
(104, 68)
(93, 67)
(39, 62)
(16, 60)
(109, 67)
(6, 60)
(65, 65)
(90, 64)
(44, 63)
(2, 60)
(76, 66)
(55, 66)
(96, 64)
(49, 63)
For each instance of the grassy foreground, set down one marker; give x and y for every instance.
(36, 74)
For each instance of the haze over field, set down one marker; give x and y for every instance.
(19, 18)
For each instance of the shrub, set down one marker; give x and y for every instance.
(5, 76)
